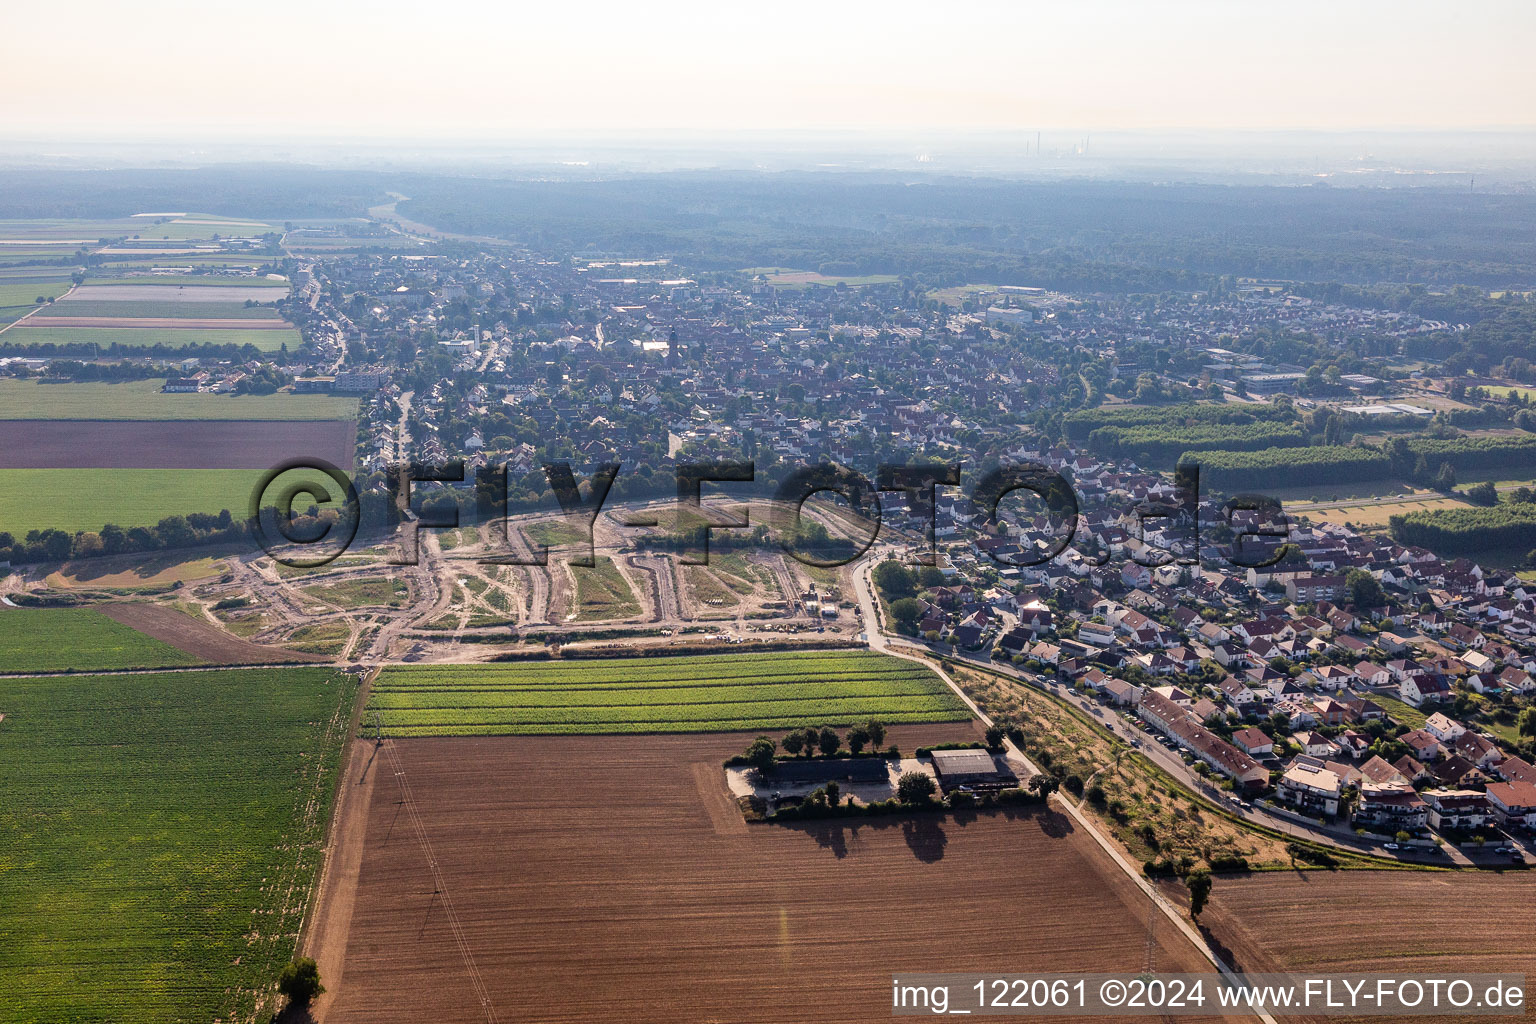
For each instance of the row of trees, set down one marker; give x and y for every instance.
(171, 533)
(762, 752)
(1233, 471)
(1465, 454)
(1081, 425)
(1467, 531)
(1160, 443)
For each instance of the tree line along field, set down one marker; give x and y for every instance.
(1468, 531)
(88, 499)
(143, 400)
(719, 693)
(77, 639)
(162, 835)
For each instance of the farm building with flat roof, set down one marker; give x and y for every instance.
(976, 769)
(841, 769)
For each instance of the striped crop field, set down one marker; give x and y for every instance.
(702, 693)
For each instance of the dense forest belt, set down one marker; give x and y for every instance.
(1159, 445)
(1468, 531)
(1081, 425)
(1237, 469)
(1233, 471)
(1110, 236)
(1465, 454)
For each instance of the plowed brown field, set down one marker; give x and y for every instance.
(1420, 925)
(611, 879)
(198, 638)
(171, 444)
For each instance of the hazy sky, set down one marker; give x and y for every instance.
(598, 68)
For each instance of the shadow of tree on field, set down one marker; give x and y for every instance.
(294, 1015)
(1054, 824)
(925, 838)
(1220, 948)
(829, 835)
(923, 831)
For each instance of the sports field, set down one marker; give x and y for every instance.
(80, 639)
(766, 690)
(147, 337)
(143, 400)
(161, 833)
(88, 499)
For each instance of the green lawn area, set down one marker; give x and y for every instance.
(146, 337)
(162, 833)
(88, 499)
(1403, 712)
(602, 592)
(706, 693)
(143, 400)
(151, 309)
(83, 639)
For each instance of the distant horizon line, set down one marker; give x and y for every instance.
(508, 137)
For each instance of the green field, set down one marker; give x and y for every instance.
(192, 230)
(143, 400)
(160, 310)
(192, 280)
(81, 639)
(788, 277)
(69, 228)
(25, 293)
(162, 833)
(601, 591)
(145, 337)
(1401, 711)
(706, 693)
(88, 499)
